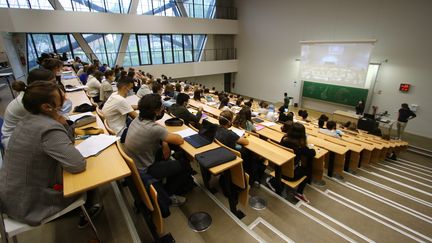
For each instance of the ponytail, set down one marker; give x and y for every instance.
(19, 86)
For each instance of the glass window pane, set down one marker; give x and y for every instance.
(198, 41)
(77, 50)
(81, 6)
(61, 43)
(125, 5)
(188, 4)
(144, 49)
(40, 4)
(131, 55)
(158, 7)
(43, 43)
(31, 53)
(112, 42)
(188, 48)
(3, 4)
(145, 7)
(18, 4)
(156, 49)
(178, 48)
(67, 5)
(167, 48)
(209, 7)
(169, 5)
(96, 43)
(198, 9)
(97, 5)
(113, 6)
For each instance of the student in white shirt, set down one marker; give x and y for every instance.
(331, 130)
(106, 88)
(144, 90)
(116, 108)
(93, 83)
(15, 110)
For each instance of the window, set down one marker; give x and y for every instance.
(198, 43)
(158, 7)
(31, 53)
(167, 48)
(43, 43)
(77, 50)
(188, 48)
(104, 46)
(156, 49)
(178, 48)
(144, 50)
(108, 6)
(131, 56)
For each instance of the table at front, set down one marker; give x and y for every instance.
(344, 116)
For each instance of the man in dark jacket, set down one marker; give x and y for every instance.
(405, 114)
(179, 110)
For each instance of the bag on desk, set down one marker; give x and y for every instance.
(84, 121)
(214, 157)
(84, 108)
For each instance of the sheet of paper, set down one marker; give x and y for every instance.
(186, 132)
(239, 132)
(78, 116)
(69, 77)
(95, 144)
(268, 124)
(259, 127)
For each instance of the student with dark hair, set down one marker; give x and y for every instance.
(15, 110)
(286, 127)
(243, 120)
(405, 114)
(296, 140)
(322, 120)
(103, 68)
(106, 88)
(122, 75)
(144, 89)
(147, 143)
(197, 95)
(157, 88)
(55, 66)
(283, 116)
(116, 109)
(360, 107)
(304, 115)
(178, 90)
(331, 130)
(224, 103)
(169, 90)
(41, 146)
(83, 76)
(239, 101)
(179, 110)
(93, 83)
(263, 108)
(248, 103)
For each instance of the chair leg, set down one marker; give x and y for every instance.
(90, 221)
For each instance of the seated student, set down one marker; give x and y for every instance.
(295, 139)
(93, 83)
(331, 130)
(104, 68)
(106, 88)
(263, 108)
(144, 90)
(15, 110)
(244, 120)
(178, 90)
(271, 116)
(41, 146)
(169, 90)
(224, 103)
(77, 64)
(283, 116)
(286, 127)
(179, 110)
(157, 88)
(248, 104)
(55, 66)
(239, 101)
(147, 143)
(197, 95)
(116, 108)
(304, 115)
(322, 120)
(253, 164)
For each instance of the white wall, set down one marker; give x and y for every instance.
(209, 81)
(58, 21)
(270, 31)
(191, 69)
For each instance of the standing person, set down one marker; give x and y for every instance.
(405, 114)
(286, 100)
(147, 143)
(360, 107)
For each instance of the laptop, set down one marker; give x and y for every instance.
(257, 120)
(205, 135)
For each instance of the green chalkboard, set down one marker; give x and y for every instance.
(334, 93)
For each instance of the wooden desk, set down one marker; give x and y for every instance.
(208, 109)
(107, 166)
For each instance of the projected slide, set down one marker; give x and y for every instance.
(336, 63)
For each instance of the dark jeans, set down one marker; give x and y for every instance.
(177, 172)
